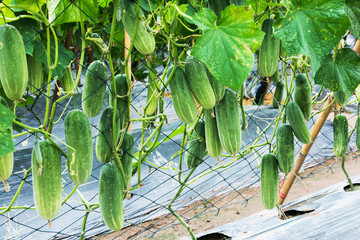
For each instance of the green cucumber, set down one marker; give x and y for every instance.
(302, 95)
(278, 94)
(126, 156)
(36, 75)
(218, 88)
(47, 186)
(212, 138)
(181, 96)
(105, 141)
(67, 82)
(122, 104)
(285, 148)
(152, 99)
(6, 168)
(341, 135)
(269, 50)
(340, 97)
(276, 76)
(228, 123)
(13, 65)
(94, 88)
(144, 41)
(79, 150)
(111, 196)
(269, 181)
(199, 83)
(297, 122)
(196, 146)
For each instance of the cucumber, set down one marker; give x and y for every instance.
(269, 50)
(126, 156)
(47, 186)
(302, 95)
(196, 146)
(340, 97)
(199, 83)
(278, 94)
(105, 141)
(67, 82)
(297, 122)
(341, 137)
(123, 100)
(7, 166)
(144, 41)
(152, 99)
(285, 148)
(228, 123)
(94, 88)
(269, 181)
(13, 64)
(218, 88)
(212, 138)
(79, 150)
(181, 96)
(36, 75)
(111, 196)
(276, 76)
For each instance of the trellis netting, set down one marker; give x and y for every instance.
(73, 34)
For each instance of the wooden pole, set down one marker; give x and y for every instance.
(127, 43)
(357, 47)
(290, 178)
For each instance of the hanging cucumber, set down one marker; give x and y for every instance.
(199, 83)
(278, 94)
(144, 41)
(126, 156)
(218, 88)
(196, 146)
(36, 72)
(358, 133)
(285, 148)
(152, 99)
(269, 181)
(302, 95)
(340, 129)
(228, 123)
(13, 65)
(269, 50)
(122, 104)
(213, 143)
(67, 82)
(297, 122)
(181, 96)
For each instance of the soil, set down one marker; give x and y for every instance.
(236, 205)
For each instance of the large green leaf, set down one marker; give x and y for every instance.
(64, 11)
(257, 5)
(227, 47)
(26, 29)
(6, 11)
(34, 5)
(312, 27)
(65, 56)
(6, 119)
(341, 74)
(352, 9)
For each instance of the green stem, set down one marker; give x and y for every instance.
(183, 141)
(83, 226)
(8, 208)
(70, 194)
(243, 117)
(346, 174)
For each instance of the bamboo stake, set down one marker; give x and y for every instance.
(357, 47)
(127, 43)
(305, 150)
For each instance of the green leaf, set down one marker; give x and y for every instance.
(34, 5)
(6, 119)
(65, 56)
(26, 29)
(257, 5)
(64, 11)
(104, 3)
(341, 74)
(28, 101)
(352, 9)
(9, 13)
(227, 47)
(312, 27)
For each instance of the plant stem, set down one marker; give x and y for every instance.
(346, 174)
